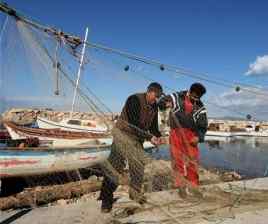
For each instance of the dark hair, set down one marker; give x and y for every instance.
(155, 86)
(198, 88)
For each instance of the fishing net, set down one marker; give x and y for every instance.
(39, 71)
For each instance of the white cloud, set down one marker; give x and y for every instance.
(247, 101)
(259, 67)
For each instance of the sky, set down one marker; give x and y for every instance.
(224, 39)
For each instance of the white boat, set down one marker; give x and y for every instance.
(219, 134)
(42, 160)
(252, 134)
(217, 138)
(62, 138)
(262, 133)
(71, 124)
(59, 138)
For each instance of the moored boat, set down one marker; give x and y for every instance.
(4, 135)
(228, 134)
(43, 160)
(71, 124)
(58, 137)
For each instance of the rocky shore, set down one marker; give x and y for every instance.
(233, 202)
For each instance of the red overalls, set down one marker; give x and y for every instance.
(184, 157)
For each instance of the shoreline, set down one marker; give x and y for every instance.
(161, 208)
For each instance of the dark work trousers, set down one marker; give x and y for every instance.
(124, 149)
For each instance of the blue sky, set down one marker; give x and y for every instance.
(220, 38)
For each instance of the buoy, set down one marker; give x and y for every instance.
(162, 67)
(126, 68)
(237, 89)
(249, 117)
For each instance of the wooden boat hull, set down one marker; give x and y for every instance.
(4, 135)
(60, 138)
(19, 132)
(44, 160)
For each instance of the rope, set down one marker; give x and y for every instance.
(56, 68)
(177, 70)
(182, 71)
(145, 77)
(3, 29)
(88, 101)
(75, 41)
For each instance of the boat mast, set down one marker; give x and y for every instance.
(79, 71)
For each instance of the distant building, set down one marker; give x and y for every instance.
(236, 125)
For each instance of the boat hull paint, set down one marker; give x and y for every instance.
(30, 162)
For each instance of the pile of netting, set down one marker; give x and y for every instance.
(39, 68)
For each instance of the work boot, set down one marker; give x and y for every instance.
(137, 196)
(182, 191)
(106, 206)
(195, 192)
(106, 210)
(107, 203)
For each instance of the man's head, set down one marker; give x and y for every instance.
(154, 91)
(197, 90)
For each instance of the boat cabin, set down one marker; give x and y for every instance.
(87, 123)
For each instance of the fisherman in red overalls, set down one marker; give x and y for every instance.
(188, 123)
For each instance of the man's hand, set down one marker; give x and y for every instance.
(194, 141)
(155, 141)
(164, 140)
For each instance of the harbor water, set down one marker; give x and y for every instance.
(246, 156)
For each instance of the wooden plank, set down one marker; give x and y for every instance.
(38, 196)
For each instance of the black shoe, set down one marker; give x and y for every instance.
(106, 206)
(106, 210)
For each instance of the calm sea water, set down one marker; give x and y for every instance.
(248, 157)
